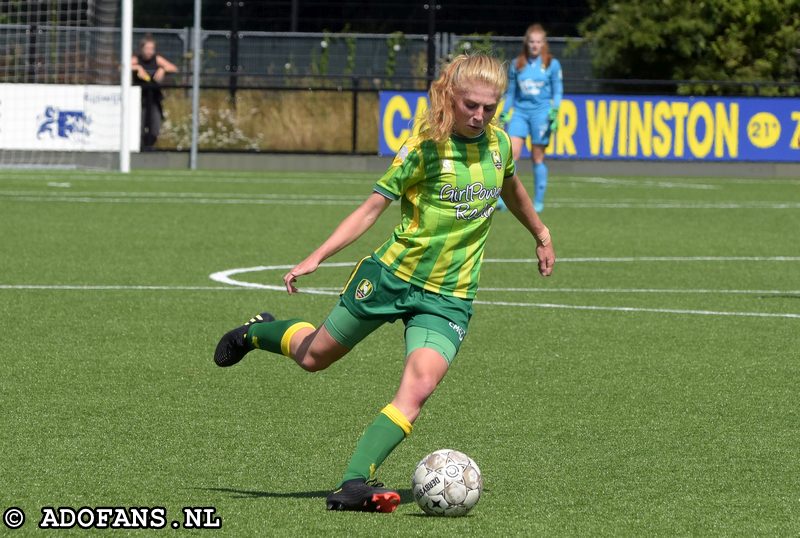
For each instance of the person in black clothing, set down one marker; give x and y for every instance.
(150, 69)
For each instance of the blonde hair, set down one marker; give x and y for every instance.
(525, 55)
(437, 123)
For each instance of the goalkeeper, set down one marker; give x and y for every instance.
(534, 93)
(448, 180)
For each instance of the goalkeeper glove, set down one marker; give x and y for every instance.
(504, 117)
(553, 117)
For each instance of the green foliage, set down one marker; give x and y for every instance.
(11, 8)
(721, 40)
(394, 44)
(321, 58)
(479, 44)
(350, 45)
(218, 129)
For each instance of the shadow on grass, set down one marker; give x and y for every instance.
(405, 494)
(428, 516)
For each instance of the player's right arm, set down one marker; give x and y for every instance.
(350, 229)
(406, 170)
(139, 70)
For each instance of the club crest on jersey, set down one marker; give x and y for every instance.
(498, 162)
(364, 289)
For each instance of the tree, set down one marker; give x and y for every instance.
(722, 40)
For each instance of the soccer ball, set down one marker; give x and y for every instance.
(447, 483)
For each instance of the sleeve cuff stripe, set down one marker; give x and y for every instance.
(385, 193)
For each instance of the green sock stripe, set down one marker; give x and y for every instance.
(268, 335)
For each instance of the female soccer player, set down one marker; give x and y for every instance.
(534, 92)
(448, 180)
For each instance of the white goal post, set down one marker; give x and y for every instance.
(63, 69)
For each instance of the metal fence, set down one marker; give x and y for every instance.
(41, 52)
(271, 91)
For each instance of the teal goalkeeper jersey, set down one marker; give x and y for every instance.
(448, 193)
(534, 87)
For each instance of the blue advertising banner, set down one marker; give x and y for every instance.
(642, 127)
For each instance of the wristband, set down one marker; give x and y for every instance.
(543, 237)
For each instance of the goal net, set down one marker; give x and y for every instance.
(60, 100)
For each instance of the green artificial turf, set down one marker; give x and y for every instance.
(649, 387)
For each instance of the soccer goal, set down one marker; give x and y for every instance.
(60, 93)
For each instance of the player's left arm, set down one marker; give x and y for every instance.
(519, 203)
(350, 229)
(557, 87)
(164, 67)
(556, 83)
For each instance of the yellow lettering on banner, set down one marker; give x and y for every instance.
(601, 122)
(396, 105)
(726, 130)
(622, 130)
(641, 129)
(422, 108)
(679, 112)
(567, 124)
(662, 142)
(700, 148)
(794, 143)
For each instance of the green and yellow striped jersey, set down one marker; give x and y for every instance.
(448, 193)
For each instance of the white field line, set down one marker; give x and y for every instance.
(226, 277)
(666, 291)
(635, 259)
(637, 309)
(193, 198)
(337, 178)
(642, 183)
(185, 201)
(245, 286)
(240, 287)
(676, 205)
(168, 194)
(677, 180)
(112, 287)
(331, 178)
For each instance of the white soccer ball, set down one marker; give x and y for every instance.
(447, 483)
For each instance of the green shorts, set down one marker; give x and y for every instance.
(374, 296)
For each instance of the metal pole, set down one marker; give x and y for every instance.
(33, 29)
(295, 14)
(431, 6)
(233, 57)
(125, 87)
(197, 47)
(354, 139)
